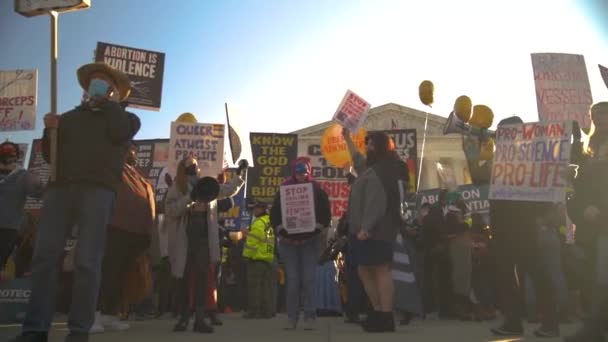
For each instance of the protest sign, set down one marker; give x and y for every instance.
(298, 208)
(144, 68)
(604, 73)
(272, 154)
(204, 142)
(18, 90)
(475, 198)
(352, 111)
(152, 157)
(38, 167)
(406, 147)
(236, 218)
(331, 179)
(562, 87)
(529, 162)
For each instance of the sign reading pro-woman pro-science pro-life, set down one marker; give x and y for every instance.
(530, 161)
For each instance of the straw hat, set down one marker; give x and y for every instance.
(120, 79)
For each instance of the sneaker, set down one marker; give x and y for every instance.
(506, 330)
(97, 327)
(309, 324)
(546, 333)
(291, 325)
(114, 323)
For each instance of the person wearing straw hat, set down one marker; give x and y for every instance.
(92, 141)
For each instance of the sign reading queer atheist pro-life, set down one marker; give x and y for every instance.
(298, 208)
(18, 90)
(144, 68)
(205, 142)
(562, 87)
(530, 160)
(272, 154)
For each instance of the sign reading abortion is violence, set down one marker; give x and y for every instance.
(530, 160)
(144, 68)
(205, 142)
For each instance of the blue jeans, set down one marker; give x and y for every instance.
(89, 208)
(300, 268)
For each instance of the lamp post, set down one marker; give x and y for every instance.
(32, 8)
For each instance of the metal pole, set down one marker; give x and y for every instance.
(54, 55)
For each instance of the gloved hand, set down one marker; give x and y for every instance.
(243, 165)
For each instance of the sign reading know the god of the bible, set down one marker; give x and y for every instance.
(298, 208)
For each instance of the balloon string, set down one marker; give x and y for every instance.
(426, 121)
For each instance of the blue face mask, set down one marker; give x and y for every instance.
(98, 88)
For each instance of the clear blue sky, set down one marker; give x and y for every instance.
(286, 64)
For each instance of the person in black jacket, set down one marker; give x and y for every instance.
(300, 251)
(92, 142)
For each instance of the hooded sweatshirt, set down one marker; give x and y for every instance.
(14, 188)
(322, 207)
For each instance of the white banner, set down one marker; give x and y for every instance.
(18, 99)
(352, 111)
(562, 87)
(205, 142)
(530, 160)
(298, 208)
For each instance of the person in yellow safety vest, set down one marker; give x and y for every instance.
(259, 255)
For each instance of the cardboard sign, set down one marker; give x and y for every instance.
(18, 99)
(529, 162)
(204, 142)
(352, 111)
(562, 87)
(298, 208)
(144, 68)
(272, 154)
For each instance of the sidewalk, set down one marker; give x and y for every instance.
(236, 329)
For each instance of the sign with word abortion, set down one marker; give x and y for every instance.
(298, 208)
(529, 162)
(18, 96)
(562, 87)
(152, 157)
(144, 68)
(475, 198)
(204, 142)
(272, 154)
(406, 147)
(352, 111)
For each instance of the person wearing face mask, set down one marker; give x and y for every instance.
(15, 185)
(193, 231)
(300, 252)
(92, 140)
(129, 234)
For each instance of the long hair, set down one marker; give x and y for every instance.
(384, 148)
(181, 179)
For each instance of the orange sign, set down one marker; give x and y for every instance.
(334, 148)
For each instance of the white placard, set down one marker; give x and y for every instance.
(18, 90)
(352, 111)
(205, 142)
(298, 208)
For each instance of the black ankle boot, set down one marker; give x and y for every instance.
(386, 322)
(371, 321)
(182, 324)
(201, 326)
(214, 319)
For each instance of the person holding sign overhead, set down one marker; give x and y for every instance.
(300, 212)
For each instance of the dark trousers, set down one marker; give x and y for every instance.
(122, 249)
(522, 256)
(164, 287)
(437, 288)
(259, 291)
(7, 243)
(356, 294)
(197, 270)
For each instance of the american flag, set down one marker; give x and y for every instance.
(604, 73)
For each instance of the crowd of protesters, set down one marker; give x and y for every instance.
(524, 261)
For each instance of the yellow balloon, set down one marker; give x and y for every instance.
(482, 117)
(425, 92)
(187, 118)
(334, 148)
(487, 149)
(463, 107)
